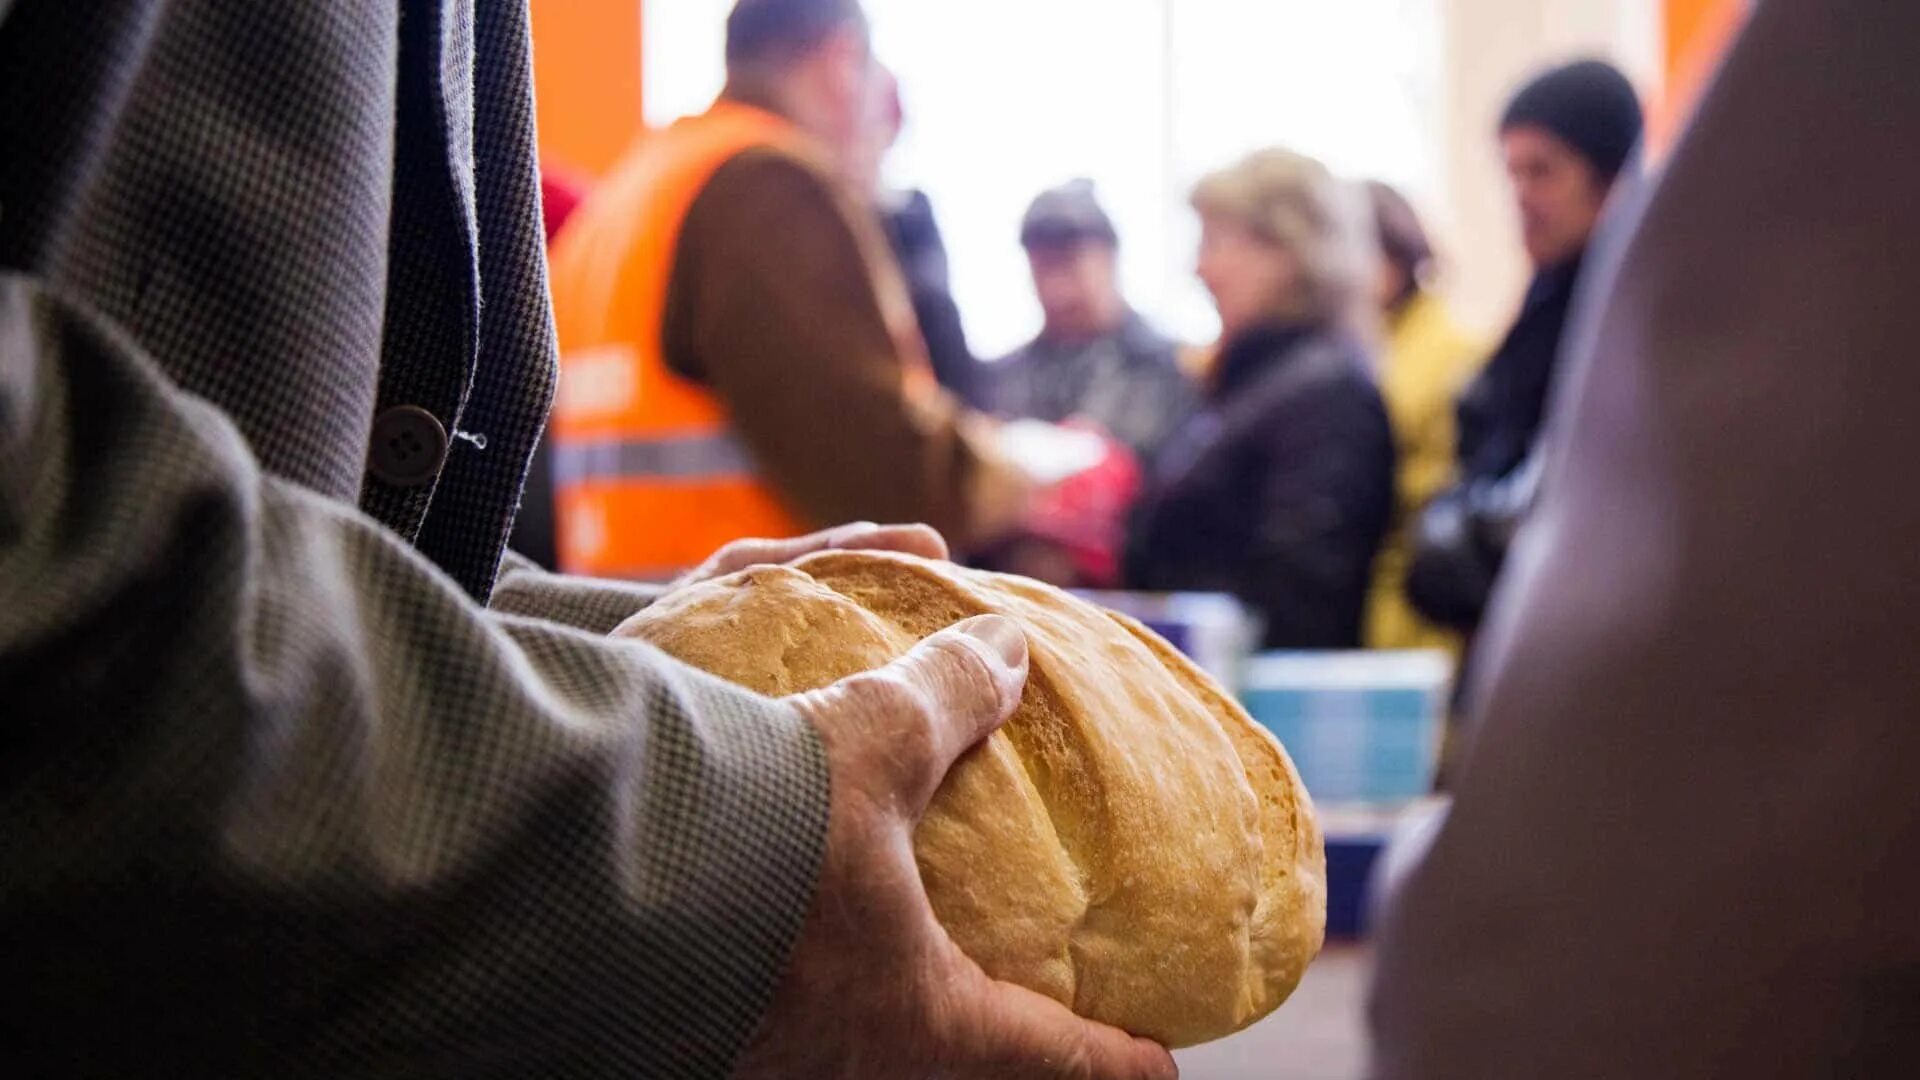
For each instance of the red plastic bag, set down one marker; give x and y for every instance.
(1083, 518)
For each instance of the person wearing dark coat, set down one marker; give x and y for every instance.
(1567, 136)
(906, 216)
(914, 235)
(1280, 488)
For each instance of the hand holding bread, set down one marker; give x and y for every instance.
(1131, 845)
(875, 987)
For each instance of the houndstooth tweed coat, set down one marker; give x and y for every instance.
(299, 775)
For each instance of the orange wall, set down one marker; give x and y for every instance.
(586, 74)
(1698, 34)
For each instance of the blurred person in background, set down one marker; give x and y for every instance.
(914, 234)
(739, 354)
(1095, 359)
(1426, 361)
(1567, 136)
(1281, 487)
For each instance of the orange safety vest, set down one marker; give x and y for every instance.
(648, 478)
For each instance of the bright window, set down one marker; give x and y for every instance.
(1006, 97)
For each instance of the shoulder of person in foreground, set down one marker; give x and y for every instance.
(1671, 849)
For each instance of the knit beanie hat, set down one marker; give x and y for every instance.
(1588, 104)
(1068, 214)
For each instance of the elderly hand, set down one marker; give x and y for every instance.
(875, 987)
(859, 536)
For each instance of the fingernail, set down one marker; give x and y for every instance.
(1001, 635)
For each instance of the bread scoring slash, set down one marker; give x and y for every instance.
(1131, 843)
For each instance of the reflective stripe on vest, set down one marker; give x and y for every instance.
(690, 458)
(649, 479)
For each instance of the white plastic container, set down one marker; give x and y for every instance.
(1213, 629)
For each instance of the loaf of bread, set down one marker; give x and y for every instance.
(1130, 843)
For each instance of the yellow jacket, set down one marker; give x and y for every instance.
(1428, 360)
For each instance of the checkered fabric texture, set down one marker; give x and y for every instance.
(291, 785)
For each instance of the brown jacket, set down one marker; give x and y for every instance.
(1684, 841)
(780, 303)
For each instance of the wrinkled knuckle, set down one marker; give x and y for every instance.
(968, 674)
(887, 694)
(957, 1030)
(897, 712)
(948, 1035)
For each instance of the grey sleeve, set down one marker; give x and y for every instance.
(279, 800)
(1683, 833)
(589, 604)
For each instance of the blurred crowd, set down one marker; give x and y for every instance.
(758, 338)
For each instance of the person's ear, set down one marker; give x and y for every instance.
(851, 66)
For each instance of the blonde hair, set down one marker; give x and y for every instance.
(1321, 221)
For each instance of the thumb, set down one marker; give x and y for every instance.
(969, 676)
(909, 721)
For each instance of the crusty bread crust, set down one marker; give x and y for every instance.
(1131, 843)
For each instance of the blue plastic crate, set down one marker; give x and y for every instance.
(1350, 861)
(1365, 845)
(1362, 727)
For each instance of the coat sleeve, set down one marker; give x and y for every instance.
(1681, 842)
(280, 800)
(591, 604)
(1324, 496)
